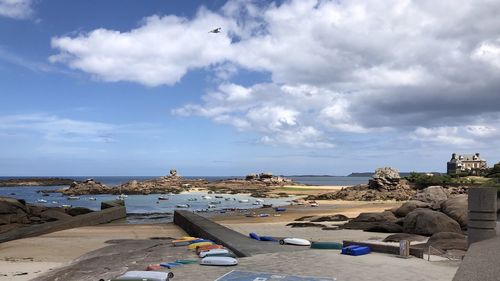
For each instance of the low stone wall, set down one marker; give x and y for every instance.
(94, 218)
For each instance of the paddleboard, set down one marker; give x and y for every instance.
(148, 275)
(213, 252)
(219, 261)
(295, 241)
(194, 245)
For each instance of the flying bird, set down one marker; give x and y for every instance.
(217, 30)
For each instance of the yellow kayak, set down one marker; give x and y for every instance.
(188, 238)
(194, 245)
(183, 242)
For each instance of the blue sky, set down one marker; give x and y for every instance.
(290, 87)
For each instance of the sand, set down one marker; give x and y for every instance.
(41, 254)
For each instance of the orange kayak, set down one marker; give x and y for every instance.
(208, 247)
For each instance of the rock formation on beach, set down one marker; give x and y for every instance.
(16, 213)
(167, 184)
(386, 184)
(256, 184)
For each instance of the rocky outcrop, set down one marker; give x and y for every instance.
(386, 184)
(386, 178)
(385, 227)
(16, 213)
(456, 207)
(445, 241)
(369, 220)
(335, 218)
(433, 195)
(429, 222)
(88, 186)
(409, 206)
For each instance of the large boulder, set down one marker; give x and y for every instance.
(433, 195)
(385, 227)
(409, 206)
(375, 217)
(456, 208)
(10, 205)
(369, 220)
(428, 222)
(405, 236)
(445, 241)
(386, 178)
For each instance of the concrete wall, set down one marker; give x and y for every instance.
(93, 218)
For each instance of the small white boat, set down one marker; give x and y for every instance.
(314, 205)
(41, 201)
(192, 199)
(66, 206)
(243, 201)
(122, 197)
(259, 200)
(295, 241)
(256, 203)
(92, 198)
(213, 252)
(206, 197)
(210, 206)
(221, 261)
(182, 206)
(73, 197)
(55, 202)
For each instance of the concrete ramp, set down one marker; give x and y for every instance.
(240, 244)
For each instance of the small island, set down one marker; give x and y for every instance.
(35, 182)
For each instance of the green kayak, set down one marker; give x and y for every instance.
(326, 245)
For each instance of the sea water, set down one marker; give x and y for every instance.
(148, 208)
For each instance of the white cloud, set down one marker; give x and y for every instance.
(336, 67)
(488, 52)
(160, 51)
(17, 9)
(460, 136)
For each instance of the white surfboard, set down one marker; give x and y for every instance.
(213, 252)
(149, 275)
(295, 241)
(221, 261)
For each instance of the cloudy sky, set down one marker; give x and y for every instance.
(293, 87)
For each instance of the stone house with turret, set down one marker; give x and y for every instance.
(471, 164)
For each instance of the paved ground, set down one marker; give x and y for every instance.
(125, 255)
(481, 262)
(328, 263)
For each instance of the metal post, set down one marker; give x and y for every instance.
(482, 214)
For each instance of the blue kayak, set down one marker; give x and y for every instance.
(254, 235)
